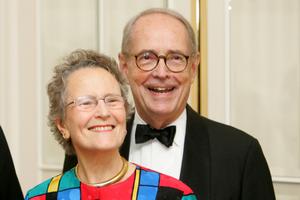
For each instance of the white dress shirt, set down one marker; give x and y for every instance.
(156, 156)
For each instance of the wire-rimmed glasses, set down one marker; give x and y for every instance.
(89, 103)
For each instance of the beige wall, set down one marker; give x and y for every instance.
(254, 79)
(19, 90)
(32, 40)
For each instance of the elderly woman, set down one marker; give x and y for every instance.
(88, 109)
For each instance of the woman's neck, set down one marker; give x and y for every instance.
(100, 167)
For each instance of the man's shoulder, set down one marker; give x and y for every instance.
(216, 131)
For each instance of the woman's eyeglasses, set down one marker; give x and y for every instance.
(89, 103)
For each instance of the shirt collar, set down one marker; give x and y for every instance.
(180, 124)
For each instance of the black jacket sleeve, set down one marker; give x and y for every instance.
(257, 182)
(9, 185)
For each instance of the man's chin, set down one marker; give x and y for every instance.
(161, 110)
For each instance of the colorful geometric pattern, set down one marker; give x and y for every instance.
(143, 184)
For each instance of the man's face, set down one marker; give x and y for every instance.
(160, 95)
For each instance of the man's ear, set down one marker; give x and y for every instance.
(63, 130)
(195, 65)
(123, 63)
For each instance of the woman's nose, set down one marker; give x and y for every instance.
(102, 110)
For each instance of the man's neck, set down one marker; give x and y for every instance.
(158, 121)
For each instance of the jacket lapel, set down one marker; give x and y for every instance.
(124, 150)
(196, 161)
(195, 170)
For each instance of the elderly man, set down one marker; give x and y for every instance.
(159, 57)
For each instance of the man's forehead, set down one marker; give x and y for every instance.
(158, 32)
(157, 17)
(158, 24)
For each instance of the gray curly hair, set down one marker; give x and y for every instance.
(57, 87)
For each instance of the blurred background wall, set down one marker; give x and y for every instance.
(250, 67)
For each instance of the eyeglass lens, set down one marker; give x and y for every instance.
(87, 103)
(148, 60)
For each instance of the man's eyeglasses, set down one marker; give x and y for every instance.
(148, 61)
(89, 103)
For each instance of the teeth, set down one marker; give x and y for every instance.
(161, 90)
(101, 128)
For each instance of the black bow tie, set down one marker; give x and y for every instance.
(144, 133)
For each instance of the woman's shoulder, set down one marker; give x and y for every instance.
(63, 182)
(164, 183)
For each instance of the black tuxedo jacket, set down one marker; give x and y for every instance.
(9, 184)
(219, 161)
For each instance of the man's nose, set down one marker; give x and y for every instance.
(161, 69)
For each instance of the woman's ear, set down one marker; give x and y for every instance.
(61, 127)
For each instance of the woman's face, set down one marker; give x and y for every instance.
(93, 128)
